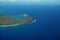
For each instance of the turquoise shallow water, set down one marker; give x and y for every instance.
(46, 27)
(19, 16)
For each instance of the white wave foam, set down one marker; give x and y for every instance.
(24, 15)
(9, 25)
(33, 21)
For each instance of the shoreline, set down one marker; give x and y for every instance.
(15, 24)
(9, 25)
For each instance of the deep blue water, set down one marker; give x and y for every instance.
(46, 27)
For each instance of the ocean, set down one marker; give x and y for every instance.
(46, 27)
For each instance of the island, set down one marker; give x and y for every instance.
(9, 20)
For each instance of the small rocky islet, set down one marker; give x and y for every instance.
(8, 20)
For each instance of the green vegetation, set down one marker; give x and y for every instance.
(7, 20)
